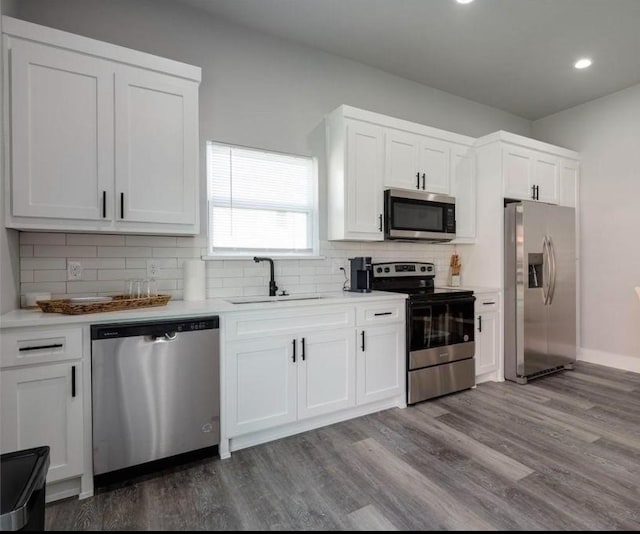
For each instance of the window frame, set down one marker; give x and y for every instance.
(313, 228)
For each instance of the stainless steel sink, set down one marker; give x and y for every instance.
(271, 299)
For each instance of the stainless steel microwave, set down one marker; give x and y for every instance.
(416, 216)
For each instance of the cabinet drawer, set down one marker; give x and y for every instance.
(380, 312)
(291, 321)
(21, 346)
(487, 302)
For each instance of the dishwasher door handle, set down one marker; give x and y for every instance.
(168, 336)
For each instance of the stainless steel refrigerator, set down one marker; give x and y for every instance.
(540, 290)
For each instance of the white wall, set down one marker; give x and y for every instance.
(606, 132)
(9, 260)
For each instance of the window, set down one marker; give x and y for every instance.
(261, 202)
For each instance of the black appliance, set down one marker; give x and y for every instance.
(360, 274)
(440, 329)
(416, 216)
(23, 474)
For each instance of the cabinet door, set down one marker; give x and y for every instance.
(434, 161)
(517, 173)
(463, 189)
(381, 355)
(365, 158)
(545, 177)
(61, 132)
(39, 408)
(326, 372)
(261, 384)
(486, 343)
(568, 183)
(156, 148)
(401, 161)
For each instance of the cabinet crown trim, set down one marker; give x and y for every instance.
(92, 47)
(378, 119)
(526, 142)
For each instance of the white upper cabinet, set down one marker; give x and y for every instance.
(156, 152)
(368, 153)
(434, 165)
(537, 171)
(568, 183)
(416, 162)
(102, 138)
(62, 132)
(355, 161)
(463, 188)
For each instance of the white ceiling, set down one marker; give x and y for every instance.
(515, 55)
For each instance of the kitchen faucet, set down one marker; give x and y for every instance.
(272, 282)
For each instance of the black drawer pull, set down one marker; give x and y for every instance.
(383, 313)
(73, 380)
(479, 323)
(487, 303)
(41, 347)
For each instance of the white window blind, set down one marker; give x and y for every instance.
(260, 201)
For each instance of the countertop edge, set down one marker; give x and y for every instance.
(21, 318)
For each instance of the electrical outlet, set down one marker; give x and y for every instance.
(153, 269)
(74, 270)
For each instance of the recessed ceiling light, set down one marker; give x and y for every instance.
(464, 1)
(582, 63)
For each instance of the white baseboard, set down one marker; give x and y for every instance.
(610, 359)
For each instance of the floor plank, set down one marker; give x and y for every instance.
(560, 453)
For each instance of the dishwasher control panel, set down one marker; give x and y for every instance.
(150, 328)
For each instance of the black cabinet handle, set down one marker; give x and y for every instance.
(417, 180)
(380, 222)
(41, 347)
(424, 183)
(383, 313)
(294, 351)
(479, 323)
(533, 192)
(73, 380)
(303, 358)
(537, 192)
(488, 303)
(104, 204)
(362, 334)
(122, 205)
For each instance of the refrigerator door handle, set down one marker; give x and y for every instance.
(552, 279)
(546, 270)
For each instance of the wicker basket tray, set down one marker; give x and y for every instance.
(119, 302)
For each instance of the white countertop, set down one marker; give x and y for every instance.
(180, 308)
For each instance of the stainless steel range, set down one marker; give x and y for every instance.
(440, 329)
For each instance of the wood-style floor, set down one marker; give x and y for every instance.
(561, 453)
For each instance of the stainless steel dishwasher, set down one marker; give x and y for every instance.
(155, 390)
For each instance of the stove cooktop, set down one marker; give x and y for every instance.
(435, 294)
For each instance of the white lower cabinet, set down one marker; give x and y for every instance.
(42, 405)
(487, 335)
(313, 372)
(261, 380)
(277, 380)
(380, 363)
(326, 372)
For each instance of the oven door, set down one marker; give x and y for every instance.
(441, 331)
(419, 216)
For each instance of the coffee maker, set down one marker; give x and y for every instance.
(361, 270)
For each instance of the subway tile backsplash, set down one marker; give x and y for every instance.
(109, 260)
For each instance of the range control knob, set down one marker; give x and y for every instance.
(386, 269)
(430, 268)
(379, 270)
(423, 269)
